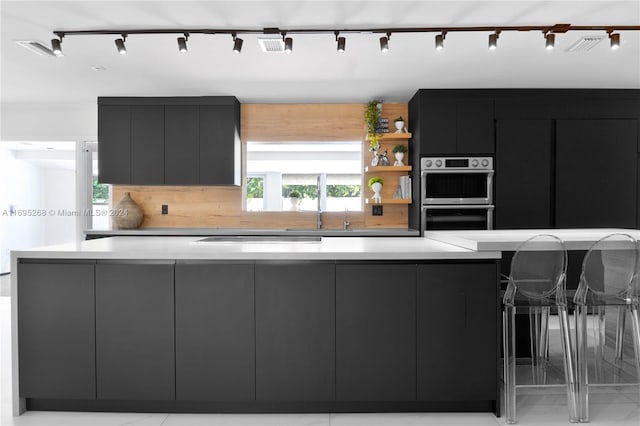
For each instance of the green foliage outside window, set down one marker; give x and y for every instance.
(255, 187)
(310, 191)
(100, 191)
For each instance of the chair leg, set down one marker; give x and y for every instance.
(599, 340)
(635, 320)
(539, 341)
(620, 325)
(581, 362)
(569, 365)
(509, 348)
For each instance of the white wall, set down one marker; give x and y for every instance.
(59, 196)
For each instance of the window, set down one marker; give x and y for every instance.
(275, 169)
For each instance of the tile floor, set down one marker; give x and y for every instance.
(608, 407)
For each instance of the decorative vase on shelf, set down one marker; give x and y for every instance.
(376, 187)
(293, 203)
(399, 126)
(127, 213)
(399, 158)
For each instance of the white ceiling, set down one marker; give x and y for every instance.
(314, 72)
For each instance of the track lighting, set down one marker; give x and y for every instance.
(237, 44)
(288, 45)
(550, 41)
(440, 41)
(120, 45)
(493, 41)
(615, 40)
(384, 43)
(56, 47)
(341, 42)
(182, 43)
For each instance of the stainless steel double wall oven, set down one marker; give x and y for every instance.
(456, 193)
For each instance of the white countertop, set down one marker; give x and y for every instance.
(509, 240)
(330, 248)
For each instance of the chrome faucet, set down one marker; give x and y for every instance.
(345, 223)
(319, 217)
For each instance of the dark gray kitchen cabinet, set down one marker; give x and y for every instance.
(295, 331)
(135, 352)
(523, 185)
(596, 173)
(114, 136)
(181, 144)
(376, 332)
(220, 144)
(147, 144)
(215, 331)
(56, 334)
(457, 333)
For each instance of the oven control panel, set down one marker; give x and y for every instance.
(456, 163)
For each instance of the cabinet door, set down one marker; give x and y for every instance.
(475, 127)
(147, 144)
(219, 144)
(56, 333)
(438, 126)
(596, 173)
(181, 144)
(135, 331)
(523, 174)
(295, 331)
(375, 332)
(458, 329)
(215, 336)
(114, 144)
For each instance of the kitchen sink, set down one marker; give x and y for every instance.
(262, 239)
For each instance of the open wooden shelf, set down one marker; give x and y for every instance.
(371, 169)
(393, 135)
(389, 201)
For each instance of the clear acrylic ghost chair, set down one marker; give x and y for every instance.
(608, 279)
(537, 284)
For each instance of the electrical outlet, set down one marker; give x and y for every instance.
(165, 209)
(376, 210)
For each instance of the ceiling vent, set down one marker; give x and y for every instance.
(585, 43)
(271, 43)
(36, 47)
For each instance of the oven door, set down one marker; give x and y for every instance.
(457, 187)
(439, 217)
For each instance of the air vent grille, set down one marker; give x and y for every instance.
(36, 47)
(271, 43)
(585, 43)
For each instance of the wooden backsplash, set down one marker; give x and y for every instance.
(222, 207)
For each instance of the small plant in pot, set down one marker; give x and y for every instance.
(399, 123)
(375, 183)
(399, 151)
(294, 199)
(371, 118)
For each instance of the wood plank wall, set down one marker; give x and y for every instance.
(223, 207)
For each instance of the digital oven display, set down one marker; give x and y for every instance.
(457, 162)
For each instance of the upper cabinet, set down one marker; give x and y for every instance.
(453, 122)
(170, 141)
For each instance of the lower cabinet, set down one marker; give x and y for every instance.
(215, 345)
(376, 332)
(135, 330)
(457, 315)
(56, 334)
(295, 331)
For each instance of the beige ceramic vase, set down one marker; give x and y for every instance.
(127, 214)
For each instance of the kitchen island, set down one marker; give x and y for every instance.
(172, 324)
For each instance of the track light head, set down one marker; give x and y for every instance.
(341, 44)
(493, 41)
(182, 44)
(550, 41)
(237, 44)
(120, 45)
(288, 45)
(615, 40)
(56, 46)
(440, 41)
(384, 44)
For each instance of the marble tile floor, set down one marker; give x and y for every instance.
(608, 407)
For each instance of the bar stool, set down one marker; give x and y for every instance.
(608, 279)
(536, 284)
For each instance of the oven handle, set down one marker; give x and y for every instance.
(458, 171)
(458, 207)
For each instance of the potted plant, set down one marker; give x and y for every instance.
(399, 151)
(371, 118)
(399, 123)
(294, 200)
(375, 183)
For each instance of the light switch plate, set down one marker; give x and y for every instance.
(376, 210)
(165, 209)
